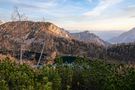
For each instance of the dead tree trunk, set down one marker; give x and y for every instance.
(41, 53)
(17, 16)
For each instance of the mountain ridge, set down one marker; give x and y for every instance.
(126, 37)
(89, 37)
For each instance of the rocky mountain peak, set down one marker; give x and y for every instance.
(30, 26)
(88, 37)
(86, 32)
(57, 30)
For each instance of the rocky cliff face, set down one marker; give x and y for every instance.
(57, 31)
(33, 36)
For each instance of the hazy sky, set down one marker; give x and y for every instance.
(76, 14)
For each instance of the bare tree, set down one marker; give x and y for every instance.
(42, 51)
(43, 19)
(17, 16)
(39, 60)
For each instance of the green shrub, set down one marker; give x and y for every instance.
(80, 75)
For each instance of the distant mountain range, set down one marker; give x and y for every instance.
(107, 35)
(103, 34)
(103, 37)
(126, 37)
(88, 37)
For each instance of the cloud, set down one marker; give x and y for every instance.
(128, 11)
(132, 16)
(35, 4)
(49, 8)
(101, 7)
(130, 8)
(105, 25)
(90, 1)
(40, 6)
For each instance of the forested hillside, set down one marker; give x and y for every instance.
(122, 52)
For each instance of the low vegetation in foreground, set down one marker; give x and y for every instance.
(82, 74)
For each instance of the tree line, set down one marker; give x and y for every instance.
(123, 52)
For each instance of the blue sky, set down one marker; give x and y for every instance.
(76, 14)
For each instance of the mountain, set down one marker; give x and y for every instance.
(33, 36)
(126, 37)
(88, 37)
(107, 35)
